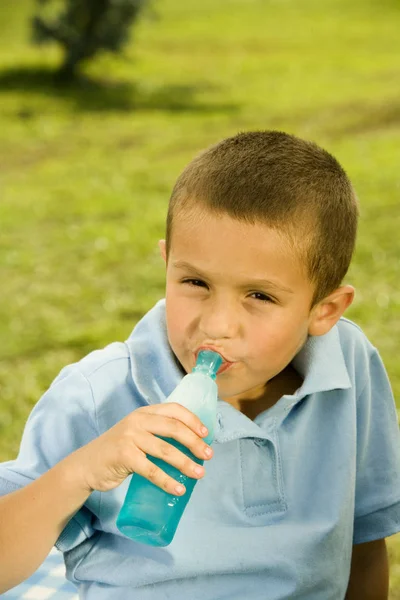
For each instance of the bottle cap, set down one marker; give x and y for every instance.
(208, 362)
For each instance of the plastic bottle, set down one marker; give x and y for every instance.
(149, 514)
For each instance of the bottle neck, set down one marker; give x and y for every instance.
(208, 362)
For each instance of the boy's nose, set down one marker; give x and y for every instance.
(219, 319)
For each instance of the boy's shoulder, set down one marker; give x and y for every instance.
(149, 332)
(91, 386)
(352, 337)
(360, 355)
(138, 371)
(112, 358)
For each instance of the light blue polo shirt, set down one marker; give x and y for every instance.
(283, 500)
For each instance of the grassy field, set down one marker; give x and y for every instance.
(86, 172)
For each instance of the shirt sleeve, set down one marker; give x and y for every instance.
(62, 421)
(377, 502)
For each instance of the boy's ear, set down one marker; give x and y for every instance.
(328, 311)
(163, 249)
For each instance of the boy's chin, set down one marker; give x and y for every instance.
(227, 392)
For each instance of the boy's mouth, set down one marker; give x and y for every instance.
(226, 362)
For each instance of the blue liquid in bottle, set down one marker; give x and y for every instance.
(149, 514)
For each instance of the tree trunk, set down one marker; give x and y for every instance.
(84, 48)
(68, 71)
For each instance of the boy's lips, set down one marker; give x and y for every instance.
(225, 365)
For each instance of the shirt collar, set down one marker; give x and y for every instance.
(154, 368)
(156, 372)
(321, 364)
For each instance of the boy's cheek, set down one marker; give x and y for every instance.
(179, 341)
(181, 320)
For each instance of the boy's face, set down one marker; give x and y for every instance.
(238, 289)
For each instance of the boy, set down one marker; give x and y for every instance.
(304, 481)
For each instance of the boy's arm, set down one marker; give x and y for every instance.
(369, 575)
(33, 517)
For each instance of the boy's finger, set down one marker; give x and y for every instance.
(150, 471)
(177, 411)
(158, 448)
(170, 427)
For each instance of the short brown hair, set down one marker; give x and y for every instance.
(285, 182)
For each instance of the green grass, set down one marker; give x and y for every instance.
(86, 172)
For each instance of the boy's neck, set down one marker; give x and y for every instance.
(285, 383)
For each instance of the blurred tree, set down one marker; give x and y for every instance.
(84, 28)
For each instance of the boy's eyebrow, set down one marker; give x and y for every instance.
(181, 264)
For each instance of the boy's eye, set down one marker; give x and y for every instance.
(262, 297)
(195, 282)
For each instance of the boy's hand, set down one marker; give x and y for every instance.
(106, 461)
